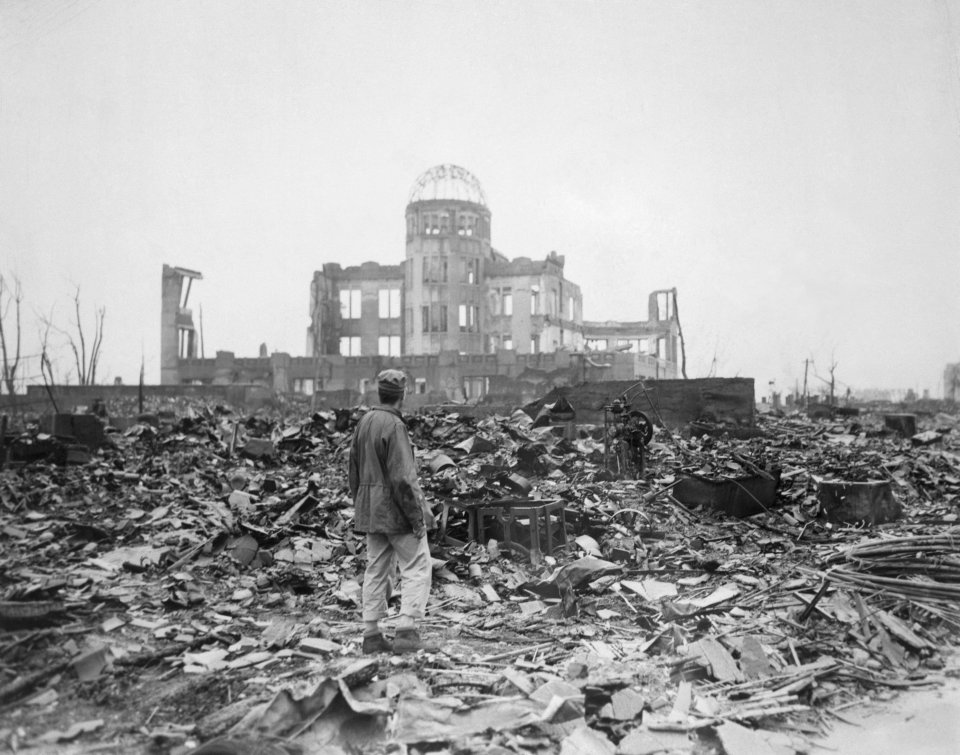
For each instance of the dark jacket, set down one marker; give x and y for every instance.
(383, 476)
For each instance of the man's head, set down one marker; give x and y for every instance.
(391, 385)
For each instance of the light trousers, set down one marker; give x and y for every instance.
(384, 554)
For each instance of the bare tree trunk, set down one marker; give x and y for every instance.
(10, 364)
(3, 441)
(81, 358)
(97, 342)
(46, 369)
(86, 364)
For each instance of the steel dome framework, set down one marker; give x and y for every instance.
(448, 182)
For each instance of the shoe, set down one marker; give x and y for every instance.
(408, 641)
(376, 643)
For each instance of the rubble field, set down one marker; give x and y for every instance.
(192, 585)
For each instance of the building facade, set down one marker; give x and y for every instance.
(454, 309)
(455, 292)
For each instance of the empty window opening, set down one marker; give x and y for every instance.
(350, 346)
(431, 224)
(435, 318)
(466, 223)
(475, 387)
(389, 303)
(388, 346)
(664, 305)
(188, 343)
(350, 303)
(468, 318)
(434, 270)
(303, 386)
(471, 272)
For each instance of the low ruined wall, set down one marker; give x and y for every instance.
(729, 401)
(68, 397)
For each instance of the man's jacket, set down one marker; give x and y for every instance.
(383, 476)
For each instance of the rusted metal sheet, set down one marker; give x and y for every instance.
(872, 501)
(735, 496)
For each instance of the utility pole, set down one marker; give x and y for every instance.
(806, 369)
(833, 368)
(143, 366)
(683, 347)
(202, 354)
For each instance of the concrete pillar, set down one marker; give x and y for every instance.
(280, 364)
(169, 338)
(174, 319)
(223, 369)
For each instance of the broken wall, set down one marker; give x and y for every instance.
(69, 397)
(728, 401)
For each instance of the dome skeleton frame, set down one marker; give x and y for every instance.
(448, 182)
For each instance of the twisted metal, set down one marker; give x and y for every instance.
(448, 182)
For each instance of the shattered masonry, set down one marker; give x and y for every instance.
(191, 585)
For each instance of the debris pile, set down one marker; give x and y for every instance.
(194, 583)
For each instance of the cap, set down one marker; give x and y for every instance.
(391, 383)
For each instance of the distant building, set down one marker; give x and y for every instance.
(455, 292)
(951, 382)
(459, 316)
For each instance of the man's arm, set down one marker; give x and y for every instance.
(402, 469)
(353, 469)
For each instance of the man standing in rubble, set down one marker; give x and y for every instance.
(390, 508)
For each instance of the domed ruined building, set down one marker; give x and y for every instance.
(458, 316)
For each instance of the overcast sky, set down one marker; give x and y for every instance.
(792, 168)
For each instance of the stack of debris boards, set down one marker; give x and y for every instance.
(197, 581)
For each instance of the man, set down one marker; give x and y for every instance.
(390, 508)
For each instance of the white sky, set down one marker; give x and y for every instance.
(793, 168)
